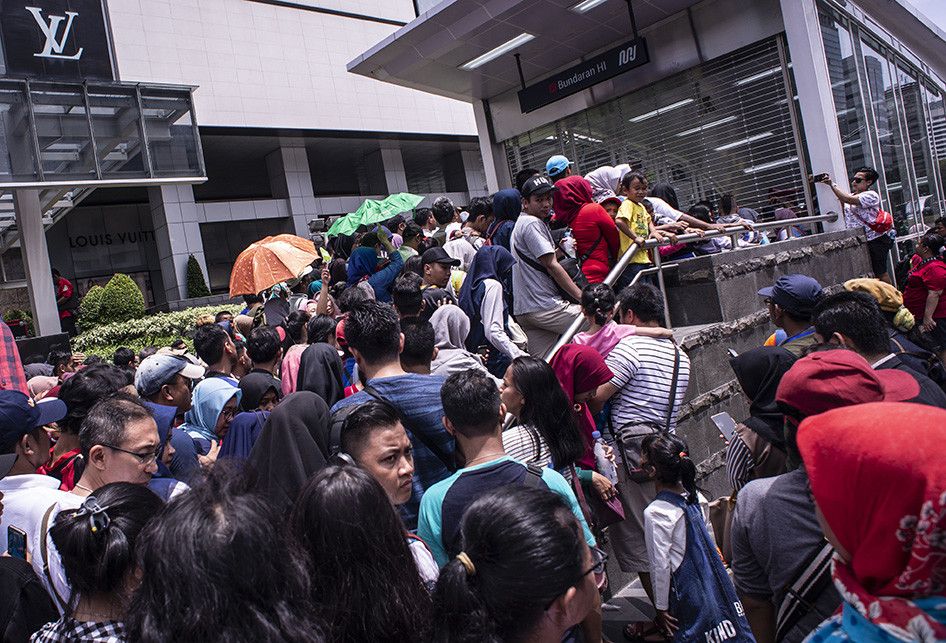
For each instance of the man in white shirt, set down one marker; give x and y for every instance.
(29, 498)
(539, 282)
(861, 208)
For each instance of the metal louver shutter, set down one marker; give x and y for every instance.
(722, 127)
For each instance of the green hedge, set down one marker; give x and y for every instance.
(89, 308)
(121, 300)
(158, 330)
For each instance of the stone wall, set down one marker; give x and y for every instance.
(726, 287)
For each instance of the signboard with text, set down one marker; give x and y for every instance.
(56, 39)
(588, 73)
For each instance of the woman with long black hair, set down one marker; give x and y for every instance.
(547, 431)
(216, 565)
(365, 583)
(96, 543)
(524, 574)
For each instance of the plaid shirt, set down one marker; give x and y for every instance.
(67, 630)
(417, 398)
(11, 368)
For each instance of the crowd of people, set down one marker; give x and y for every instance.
(389, 453)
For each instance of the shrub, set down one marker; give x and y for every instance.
(159, 329)
(16, 317)
(89, 307)
(121, 300)
(196, 286)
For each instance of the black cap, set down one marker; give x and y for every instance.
(538, 184)
(438, 255)
(796, 294)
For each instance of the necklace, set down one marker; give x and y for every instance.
(83, 487)
(485, 458)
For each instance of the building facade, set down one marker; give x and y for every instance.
(728, 96)
(287, 137)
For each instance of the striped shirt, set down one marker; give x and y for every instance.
(526, 444)
(643, 373)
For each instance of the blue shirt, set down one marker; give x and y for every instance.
(417, 398)
(443, 505)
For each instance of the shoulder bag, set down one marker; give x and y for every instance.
(631, 436)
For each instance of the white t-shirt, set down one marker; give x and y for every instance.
(25, 501)
(665, 534)
(534, 291)
(664, 213)
(858, 216)
(461, 249)
(643, 372)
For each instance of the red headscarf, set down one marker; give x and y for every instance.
(580, 369)
(879, 477)
(571, 194)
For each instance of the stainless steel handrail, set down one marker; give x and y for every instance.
(625, 259)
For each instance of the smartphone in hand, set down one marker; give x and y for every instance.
(818, 178)
(725, 424)
(16, 542)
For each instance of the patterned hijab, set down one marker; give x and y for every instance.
(879, 478)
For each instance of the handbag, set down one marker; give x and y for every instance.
(630, 438)
(721, 513)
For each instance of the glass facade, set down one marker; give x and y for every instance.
(891, 118)
(722, 127)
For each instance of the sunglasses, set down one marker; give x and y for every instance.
(858, 180)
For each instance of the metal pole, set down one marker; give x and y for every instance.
(663, 288)
(619, 267)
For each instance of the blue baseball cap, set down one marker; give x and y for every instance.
(556, 165)
(19, 415)
(796, 294)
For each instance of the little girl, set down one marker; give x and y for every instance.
(693, 596)
(603, 334)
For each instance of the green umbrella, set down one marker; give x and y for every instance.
(372, 211)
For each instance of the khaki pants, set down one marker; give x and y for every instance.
(543, 328)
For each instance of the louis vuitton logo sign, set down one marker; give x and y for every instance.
(55, 44)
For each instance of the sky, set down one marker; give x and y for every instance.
(933, 9)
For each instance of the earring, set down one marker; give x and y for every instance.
(577, 408)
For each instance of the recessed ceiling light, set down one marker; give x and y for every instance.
(745, 141)
(728, 119)
(661, 110)
(587, 5)
(492, 54)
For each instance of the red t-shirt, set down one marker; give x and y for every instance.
(67, 469)
(591, 224)
(932, 276)
(64, 291)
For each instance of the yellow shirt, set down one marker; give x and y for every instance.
(638, 220)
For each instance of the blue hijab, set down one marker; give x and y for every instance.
(164, 418)
(507, 204)
(244, 429)
(489, 262)
(361, 264)
(209, 398)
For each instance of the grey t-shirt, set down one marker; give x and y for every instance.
(774, 533)
(534, 291)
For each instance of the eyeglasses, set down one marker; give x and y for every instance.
(599, 557)
(228, 412)
(143, 458)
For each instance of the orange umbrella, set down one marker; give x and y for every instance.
(269, 261)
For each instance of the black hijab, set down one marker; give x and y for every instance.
(759, 372)
(293, 446)
(254, 386)
(320, 371)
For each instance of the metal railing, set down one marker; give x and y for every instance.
(733, 231)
